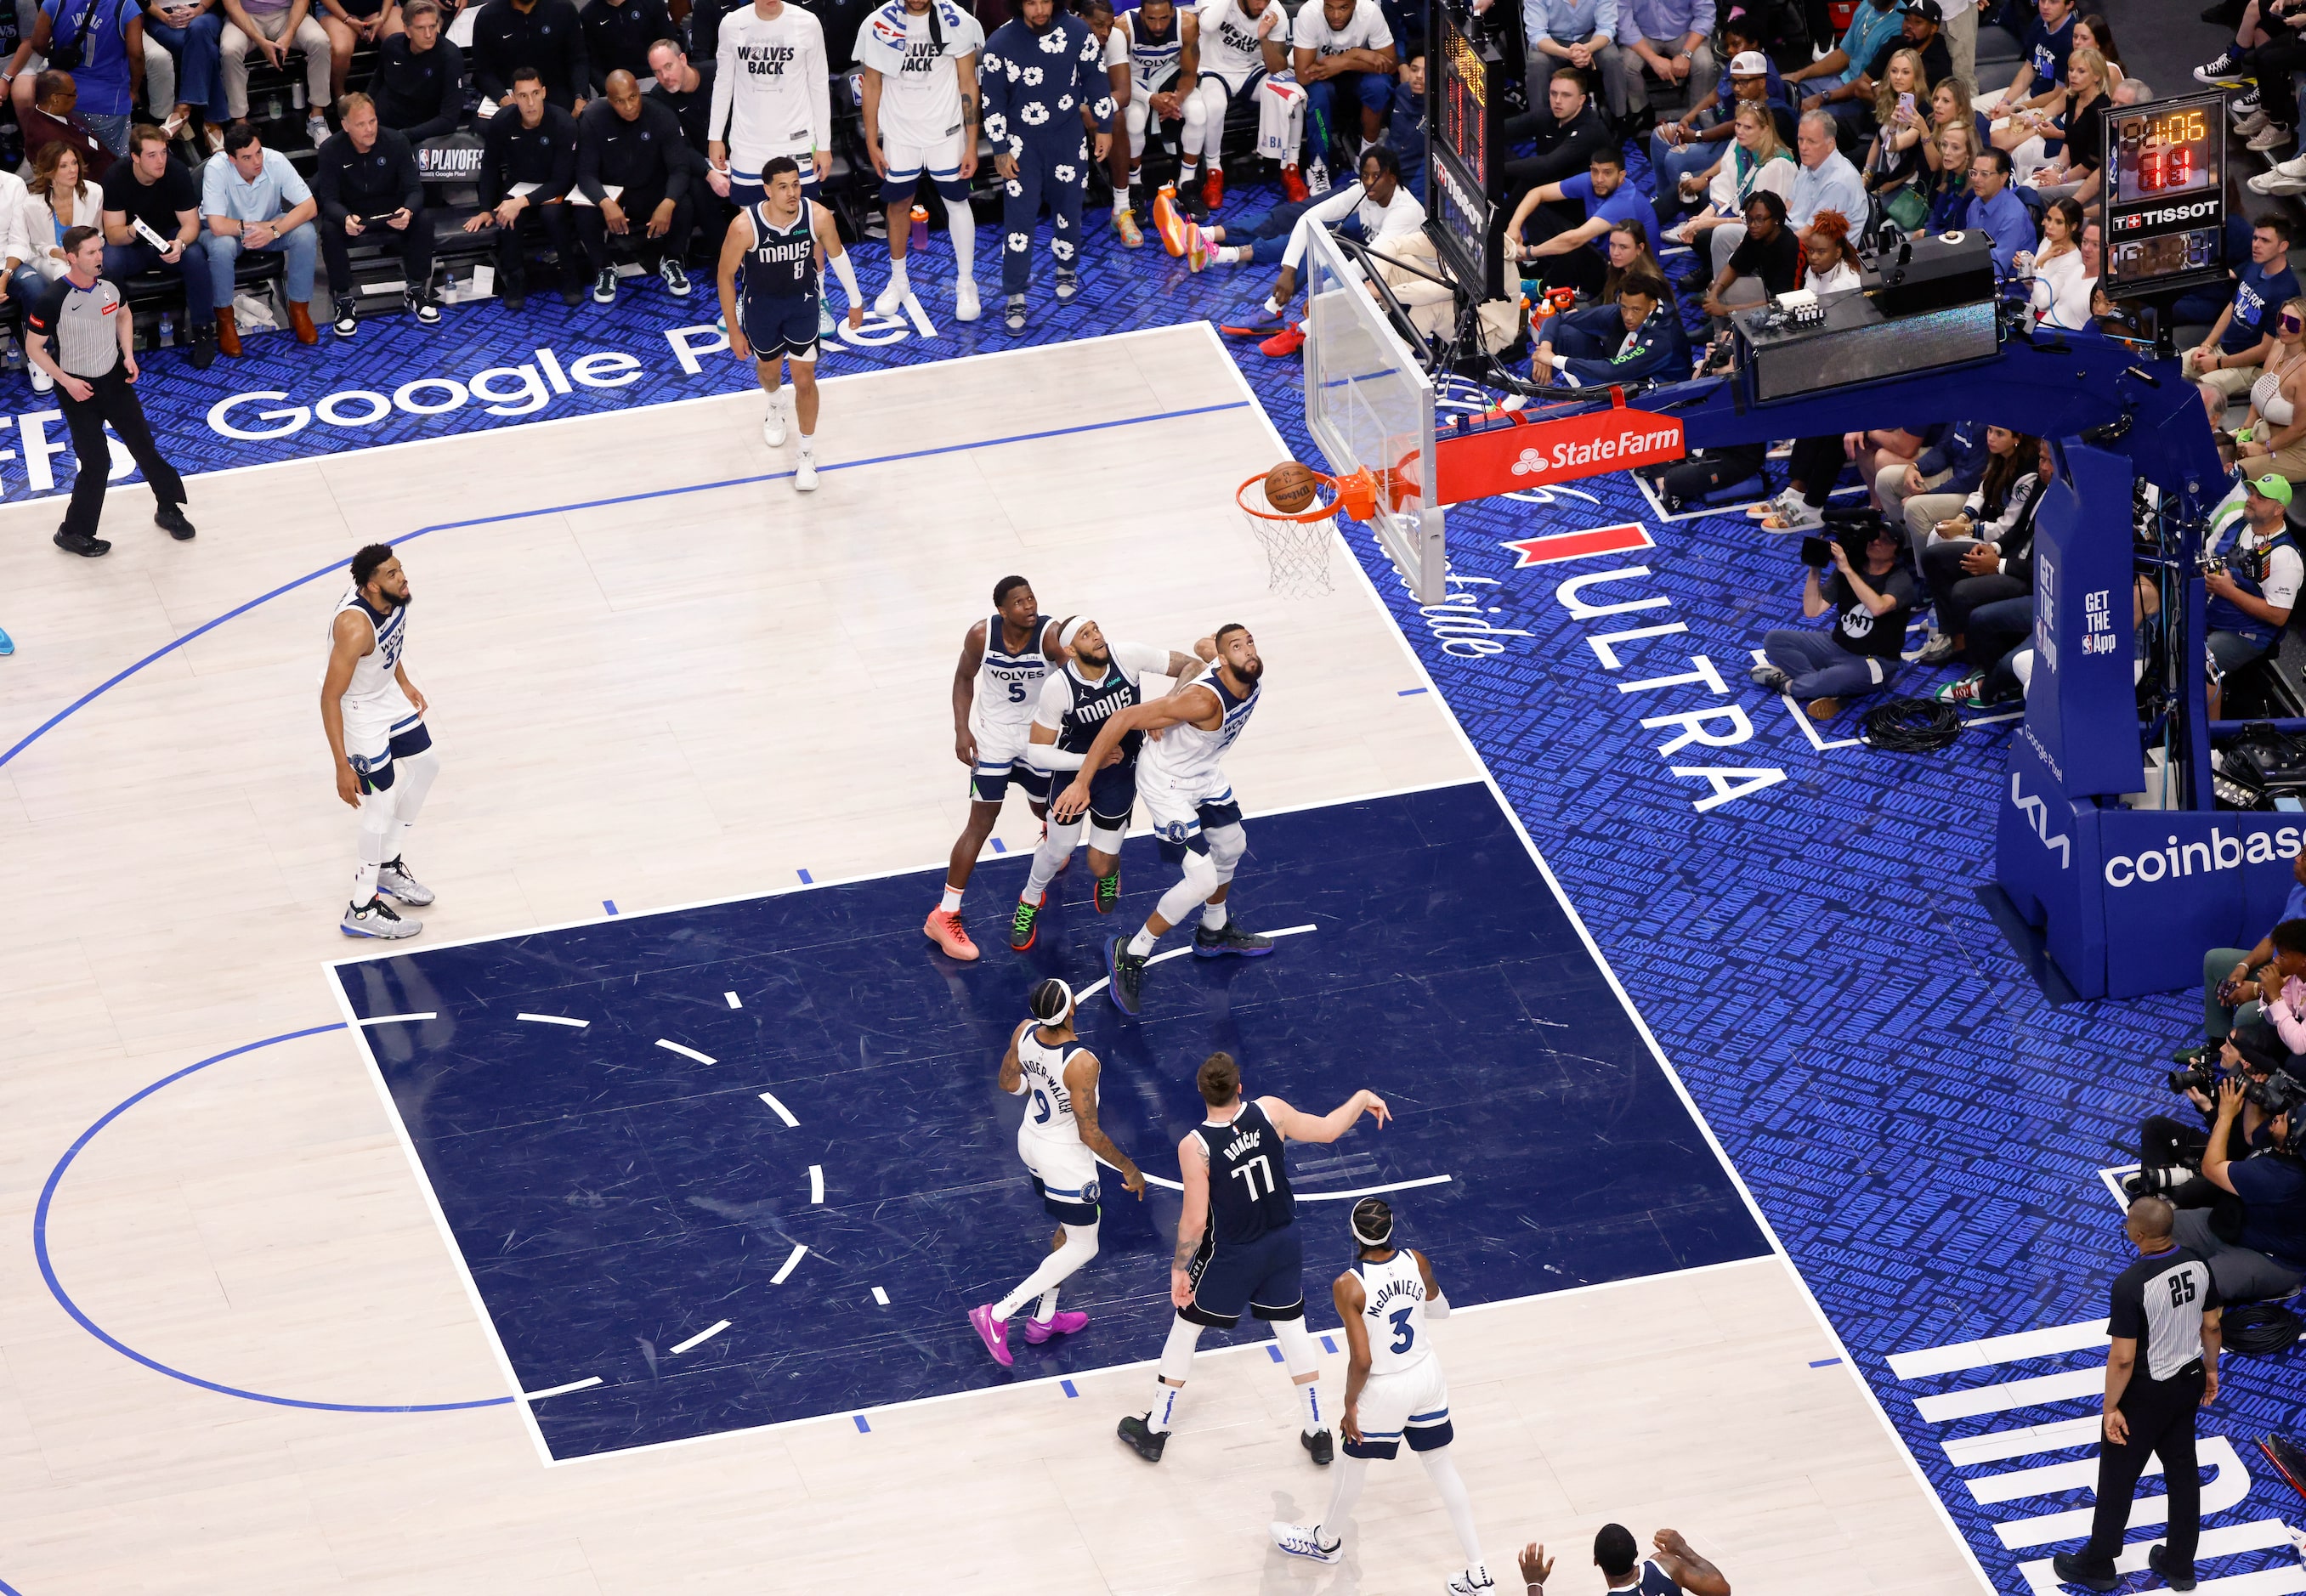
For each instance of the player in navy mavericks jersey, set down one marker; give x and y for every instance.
(1098, 681)
(995, 688)
(1393, 1389)
(374, 720)
(775, 242)
(1060, 1143)
(1675, 1568)
(1237, 1244)
(1184, 789)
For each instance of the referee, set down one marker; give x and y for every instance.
(79, 333)
(2166, 1301)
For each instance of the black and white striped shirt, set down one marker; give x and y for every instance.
(2159, 1301)
(82, 324)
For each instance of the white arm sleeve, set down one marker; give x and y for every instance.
(847, 273)
(1437, 1308)
(1335, 208)
(725, 79)
(820, 88)
(1140, 659)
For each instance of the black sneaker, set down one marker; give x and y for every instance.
(572, 296)
(1108, 892)
(1146, 1443)
(604, 287)
(1024, 925)
(1316, 1443)
(1125, 976)
(81, 544)
(347, 319)
(515, 296)
(2072, 1571)
(423, 307)
(676, 281)
(170, 520)
(2245, 103)
(2180, 1575)
(1068, 284)
(1230, 938)
(2218, 70)
(204, 346)
(1014, 315)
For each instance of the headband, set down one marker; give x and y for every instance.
(1058, 1017)
(1367, 1239)
(1073, 630)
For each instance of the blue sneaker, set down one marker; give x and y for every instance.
(7, 644)
(1124, 974)
(1229, 939)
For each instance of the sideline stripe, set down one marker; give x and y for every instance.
(700, 1338)
(816, 1183)
(553, 1020)
(64, 1298)
(783, 1112)
(792, 1262)
(396, 1019)
(686, 1052)
(560, 1390)
(2012, 1393)
(336, 568)
(2045, 1342)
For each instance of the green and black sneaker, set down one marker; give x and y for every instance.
(1024, 927)
(1108, 892)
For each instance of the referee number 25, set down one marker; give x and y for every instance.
(1251, 1171)
(2181, 1288)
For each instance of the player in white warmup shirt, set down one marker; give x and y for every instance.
(374, 718)
(1243, 48)
(918, 60)
(1393, 1391)
(1060, 1141)
(995, 689)
(1184, 788)
(772, 95)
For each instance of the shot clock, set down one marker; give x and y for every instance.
(2162, 205)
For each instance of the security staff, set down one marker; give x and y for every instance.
(1635, 340)
(80, 332)
(2167, 1301)
(1045, 94)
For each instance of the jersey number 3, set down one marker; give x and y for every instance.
(1404, 1332)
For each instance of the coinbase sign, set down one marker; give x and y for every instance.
(2220, 850)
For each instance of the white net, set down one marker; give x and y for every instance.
(1296, 552)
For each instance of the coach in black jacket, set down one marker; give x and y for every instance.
(635, 146)
(367, 184)
(617, 34)
(532, 146)
(419, 85)
(544, 34)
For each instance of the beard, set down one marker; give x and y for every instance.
(390, 603)
(1253, 672)
(1093, 661)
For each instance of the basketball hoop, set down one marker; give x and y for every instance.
(1296, 542)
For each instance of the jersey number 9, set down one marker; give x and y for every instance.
(1040, 1106)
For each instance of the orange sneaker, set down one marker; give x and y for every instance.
(1199, 251)
(1133, 236)
(1169, 221)
(1293, 185)
(945, 930)
(1213, 190)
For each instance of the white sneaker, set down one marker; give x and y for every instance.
(1317, 178)
(393, 880)
(1474, 1582)
(965, 307)
(2252, 123)
(2295, 167)
(1756, 512)
(376, 919)
(773, 425)
(2277, 183)
(890, 299)
(2268, 138)
(805, 475)
(1304, 1540)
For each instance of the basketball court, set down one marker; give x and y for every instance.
(304, 1272)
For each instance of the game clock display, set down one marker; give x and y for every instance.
(1462, 90)
(2165, 202)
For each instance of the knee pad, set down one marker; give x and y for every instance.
(1177, 1352)
(952, 190)
(1081, 1240)
(1136, 114)
(379, 817)
(1104, 838)
(1227, 844)
(1298, 1353)
(1201, 873)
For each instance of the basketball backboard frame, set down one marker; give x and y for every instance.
(1370, 407)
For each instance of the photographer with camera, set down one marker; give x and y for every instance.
(2266, 1259)
(2253, 577)
(2170, 1151)
(1870, 594)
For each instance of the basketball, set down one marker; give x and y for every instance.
(1290, 487)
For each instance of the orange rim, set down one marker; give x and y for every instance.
(1355, 495)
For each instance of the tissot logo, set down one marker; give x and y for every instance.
(2167, 213)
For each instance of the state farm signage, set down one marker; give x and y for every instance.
(1475, 462)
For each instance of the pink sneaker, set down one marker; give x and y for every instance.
(993, 1333)
(1060, 1323)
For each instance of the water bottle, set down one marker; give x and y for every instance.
(168, 332)
(296, 97)
(920, 228)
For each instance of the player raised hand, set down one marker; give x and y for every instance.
(1535, 1566)
(1369, 1103)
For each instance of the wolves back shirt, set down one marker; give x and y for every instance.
(921, 86)
(772, 91)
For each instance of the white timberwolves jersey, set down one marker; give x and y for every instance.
(1393, 1310)
(1009, 685)
(1048, 1105)
(1186, 757)
(373, 691)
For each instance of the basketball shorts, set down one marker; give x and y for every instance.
(1112, 792)
(374, 739)
(1180, 811)
(782, 328)
(1411, 1403)
(1265, 1276)
(1143, 89)
(1236, 87)
(1000, 758)
(939, 157)
(745, 177)
(1064, 1174)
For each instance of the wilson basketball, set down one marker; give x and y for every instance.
(1290, 487)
